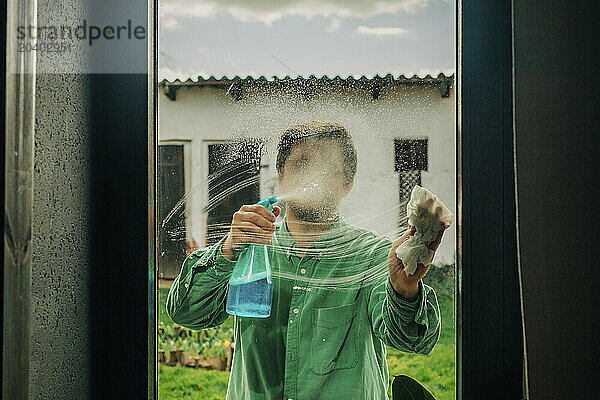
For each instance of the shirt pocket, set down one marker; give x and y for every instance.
(334, 343)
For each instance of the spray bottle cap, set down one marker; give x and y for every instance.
(268, 203)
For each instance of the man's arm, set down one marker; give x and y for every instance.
(197, 299)
(409, 326)
(198, 296)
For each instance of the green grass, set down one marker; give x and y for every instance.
(176, 383)
(435, 371)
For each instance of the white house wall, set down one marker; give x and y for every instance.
(204, 114)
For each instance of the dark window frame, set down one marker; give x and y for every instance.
(490, 355)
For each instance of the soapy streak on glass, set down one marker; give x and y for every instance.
(354, 273)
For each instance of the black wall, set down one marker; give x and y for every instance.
(558, 139)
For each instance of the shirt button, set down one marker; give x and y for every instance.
(303, 270)
(291, 320)
(186, 285)
(296, 311)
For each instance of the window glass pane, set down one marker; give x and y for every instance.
(340, 111)
(171, 189)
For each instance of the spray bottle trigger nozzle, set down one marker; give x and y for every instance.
(268, 202)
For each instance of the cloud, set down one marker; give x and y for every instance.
(169, 23)
(270, 11)
(170, 12)
(334, 25)
(381, 31)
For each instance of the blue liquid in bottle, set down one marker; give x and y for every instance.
(250, 291)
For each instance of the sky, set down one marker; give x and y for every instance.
(324, 37)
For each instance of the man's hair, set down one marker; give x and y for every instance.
(320, 130)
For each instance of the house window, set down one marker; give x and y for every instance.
(171, 218)
(233, 180)
(410, 160)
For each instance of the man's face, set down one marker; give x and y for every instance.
(312, 181)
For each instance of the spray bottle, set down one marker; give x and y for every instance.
(250, 291)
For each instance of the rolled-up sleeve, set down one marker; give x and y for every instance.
(409, 326)
(197, 298)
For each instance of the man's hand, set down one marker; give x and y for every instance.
(405, 285)
(251, 224)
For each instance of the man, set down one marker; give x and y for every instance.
(330, 320)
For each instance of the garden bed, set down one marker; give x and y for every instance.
(186, 359)
(208, 348)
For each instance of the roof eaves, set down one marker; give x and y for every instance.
(225, 80)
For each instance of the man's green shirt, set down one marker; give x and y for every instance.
(319, 342)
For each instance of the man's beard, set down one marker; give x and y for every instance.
(311, 213)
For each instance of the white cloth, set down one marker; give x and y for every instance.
(427, 213)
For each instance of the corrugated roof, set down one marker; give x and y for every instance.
(373, 82)
(213, 80)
